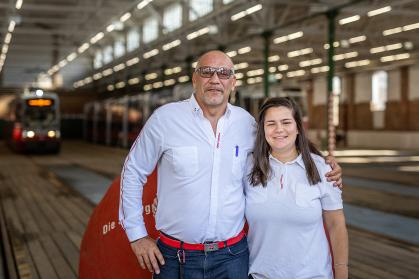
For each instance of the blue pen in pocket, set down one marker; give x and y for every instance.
(237, 151)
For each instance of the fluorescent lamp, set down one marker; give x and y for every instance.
(321, 69)
(110, 87)
(231, 53)
(132, 61)
(88, 80)
(307, 63)
(350, 19)
(183, 79)
(238, 15)
(151, 53)
(158, 84)
(97, 76)
(240, 66)
(395, 57)
(392, 31)
(300, 52)
(12, 25)
(169, 82)
(347, 55)
(19, 4)
(411, 26)
(379, 11)
(239, 83)
(148, 87)
(359, 63)
(209, 29)
(170, 45)
(125, 17)
(357, 39)
(62, 63)
(143, 3)
(278, 76)
(97, 38)
(244, 50)
(248, 11)
(8, 38)
(119, 67)
(151, 76)
(83, 47)
(134, 81)
(297, 73)
(272, 69)
(71, 56)
(107, 72)
(254, 9)
(283, 67)
(288, 37)
(256, 72)
(239, 75)
(110, 28)
(120, 85)
(273, 58)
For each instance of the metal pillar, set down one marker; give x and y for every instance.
(266, 40)
(331, 133)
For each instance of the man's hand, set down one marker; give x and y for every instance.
(147, 254)
(336, 173)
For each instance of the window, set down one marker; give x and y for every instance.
(198, 8)
(172, 17)
(150, 29)
(107, 55)
(119, 46)
(379, 91)
(133, 39)
(98, 60)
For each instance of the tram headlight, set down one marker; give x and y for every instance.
(28, 134)
(54, 134)
(51, 134)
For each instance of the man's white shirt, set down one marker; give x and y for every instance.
(199, 189)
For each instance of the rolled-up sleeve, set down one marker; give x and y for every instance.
(331, 196)
(139, 164)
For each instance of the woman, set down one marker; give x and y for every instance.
(287, 201)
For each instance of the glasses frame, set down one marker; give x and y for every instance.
(217, 70)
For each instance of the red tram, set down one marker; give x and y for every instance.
(34, 123)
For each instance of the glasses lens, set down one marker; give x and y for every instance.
(208, 72)
(223, 73)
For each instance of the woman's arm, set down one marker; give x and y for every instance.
(336, 227)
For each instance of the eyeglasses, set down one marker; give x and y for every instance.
(208, 72)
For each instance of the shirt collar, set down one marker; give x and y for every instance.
(196, 109)
(299, 161)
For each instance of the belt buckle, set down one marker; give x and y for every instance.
(210, 247)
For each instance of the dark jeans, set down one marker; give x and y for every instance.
(227, 263)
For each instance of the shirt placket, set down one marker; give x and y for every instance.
(217, 149)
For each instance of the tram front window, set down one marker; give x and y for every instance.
(39, 116)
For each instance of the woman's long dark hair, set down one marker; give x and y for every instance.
(261, 170)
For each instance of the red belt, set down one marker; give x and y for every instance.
(211, 246)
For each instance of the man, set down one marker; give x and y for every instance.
(200, 146)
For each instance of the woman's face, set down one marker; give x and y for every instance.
(280, 129)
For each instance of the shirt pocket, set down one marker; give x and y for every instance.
(306, 195)
(185, 160)
(237, 167)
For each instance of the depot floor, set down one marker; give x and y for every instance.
(44, 214)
